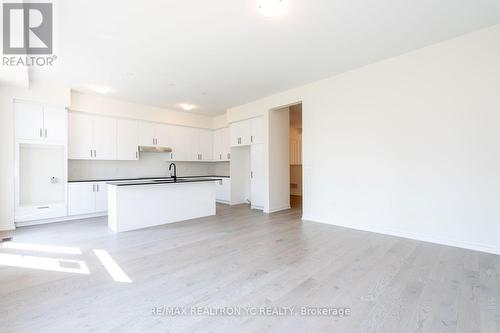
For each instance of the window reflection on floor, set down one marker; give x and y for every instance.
(57, 264)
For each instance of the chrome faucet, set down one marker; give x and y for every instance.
(174, 176)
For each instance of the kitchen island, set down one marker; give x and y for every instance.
(140, 204)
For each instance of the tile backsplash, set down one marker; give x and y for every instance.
(149, 165)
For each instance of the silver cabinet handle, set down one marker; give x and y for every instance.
(93, 187)
(45, 133)
(136, 155)
(91, 153)
(228, 156)
(97, 185)
(220, 156)
(41, 132)
(251, 174)
(251, 138)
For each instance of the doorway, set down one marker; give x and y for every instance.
(296, 156)
(285, 158)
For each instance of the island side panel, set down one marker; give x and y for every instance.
(142, 206)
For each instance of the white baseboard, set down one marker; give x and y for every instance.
(224, 202)
(278, 209)
(60, 219)
(419, 237)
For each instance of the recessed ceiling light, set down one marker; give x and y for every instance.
(187, 106)
(271, 8)
(100, 89)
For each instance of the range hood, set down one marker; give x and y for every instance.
(155, 149)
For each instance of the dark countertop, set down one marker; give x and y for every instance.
(164, 181)
(136, 179)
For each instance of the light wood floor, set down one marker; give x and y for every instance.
(246, 258)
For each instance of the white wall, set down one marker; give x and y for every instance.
(407, 146)
(279, 163)
(116, 108)
(48, 95)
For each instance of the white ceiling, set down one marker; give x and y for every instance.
(218, 54)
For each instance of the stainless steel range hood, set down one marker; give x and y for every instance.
(155, 149)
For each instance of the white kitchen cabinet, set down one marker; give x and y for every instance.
(104, 138)
(257, 130)
(101, 197)
(37, 122)
(87, 198)
(221, 150)
(91, 137)
(80, 146)
(127, 140)
(81, 198)
(240, 133)
(151, 134)
(223, 193)
(205, 144)
(257, 176)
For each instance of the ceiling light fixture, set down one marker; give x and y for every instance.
(100, 89)
(187, 106)
(271, 8)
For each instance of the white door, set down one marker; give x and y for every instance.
(54, 123)
(104, 143)
(257, 176)
(81, 198)
(127, 140)
(80, 136)
(29, 121)
(257, 130)
(162, 135)
(147, 134)
(205, 144)
(101, 197)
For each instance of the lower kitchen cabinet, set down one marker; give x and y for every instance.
(223, 194)
(87, 198)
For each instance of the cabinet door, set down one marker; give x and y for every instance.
(192, 152)
(28, 121)
(54, 123)
(205, 144)
(147, 134)
(127, 140)
(176, 139)
(257, 176)
(257, 130)
(225, 144)
(80, 136)
(81, 198)
(162, 135)
(218, 155)
(104, 143)
(101, 197)
(240, 133)
(223, 192)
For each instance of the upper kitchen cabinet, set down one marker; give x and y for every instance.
(127, 140)
(257, 130)
(151, 134)
(92, 137)
(36, 122)
(240, 133)
(247, 132)
(205, 144)
(221, 150)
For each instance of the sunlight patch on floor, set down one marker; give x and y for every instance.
(112, 267)
(40, 248)
(44, 263)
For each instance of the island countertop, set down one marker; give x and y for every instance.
(164, 181)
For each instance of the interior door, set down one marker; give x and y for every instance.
(29, 121)
(80, 136)
(257, 176)
(54, 123)
(127, 140)
(104, 142)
